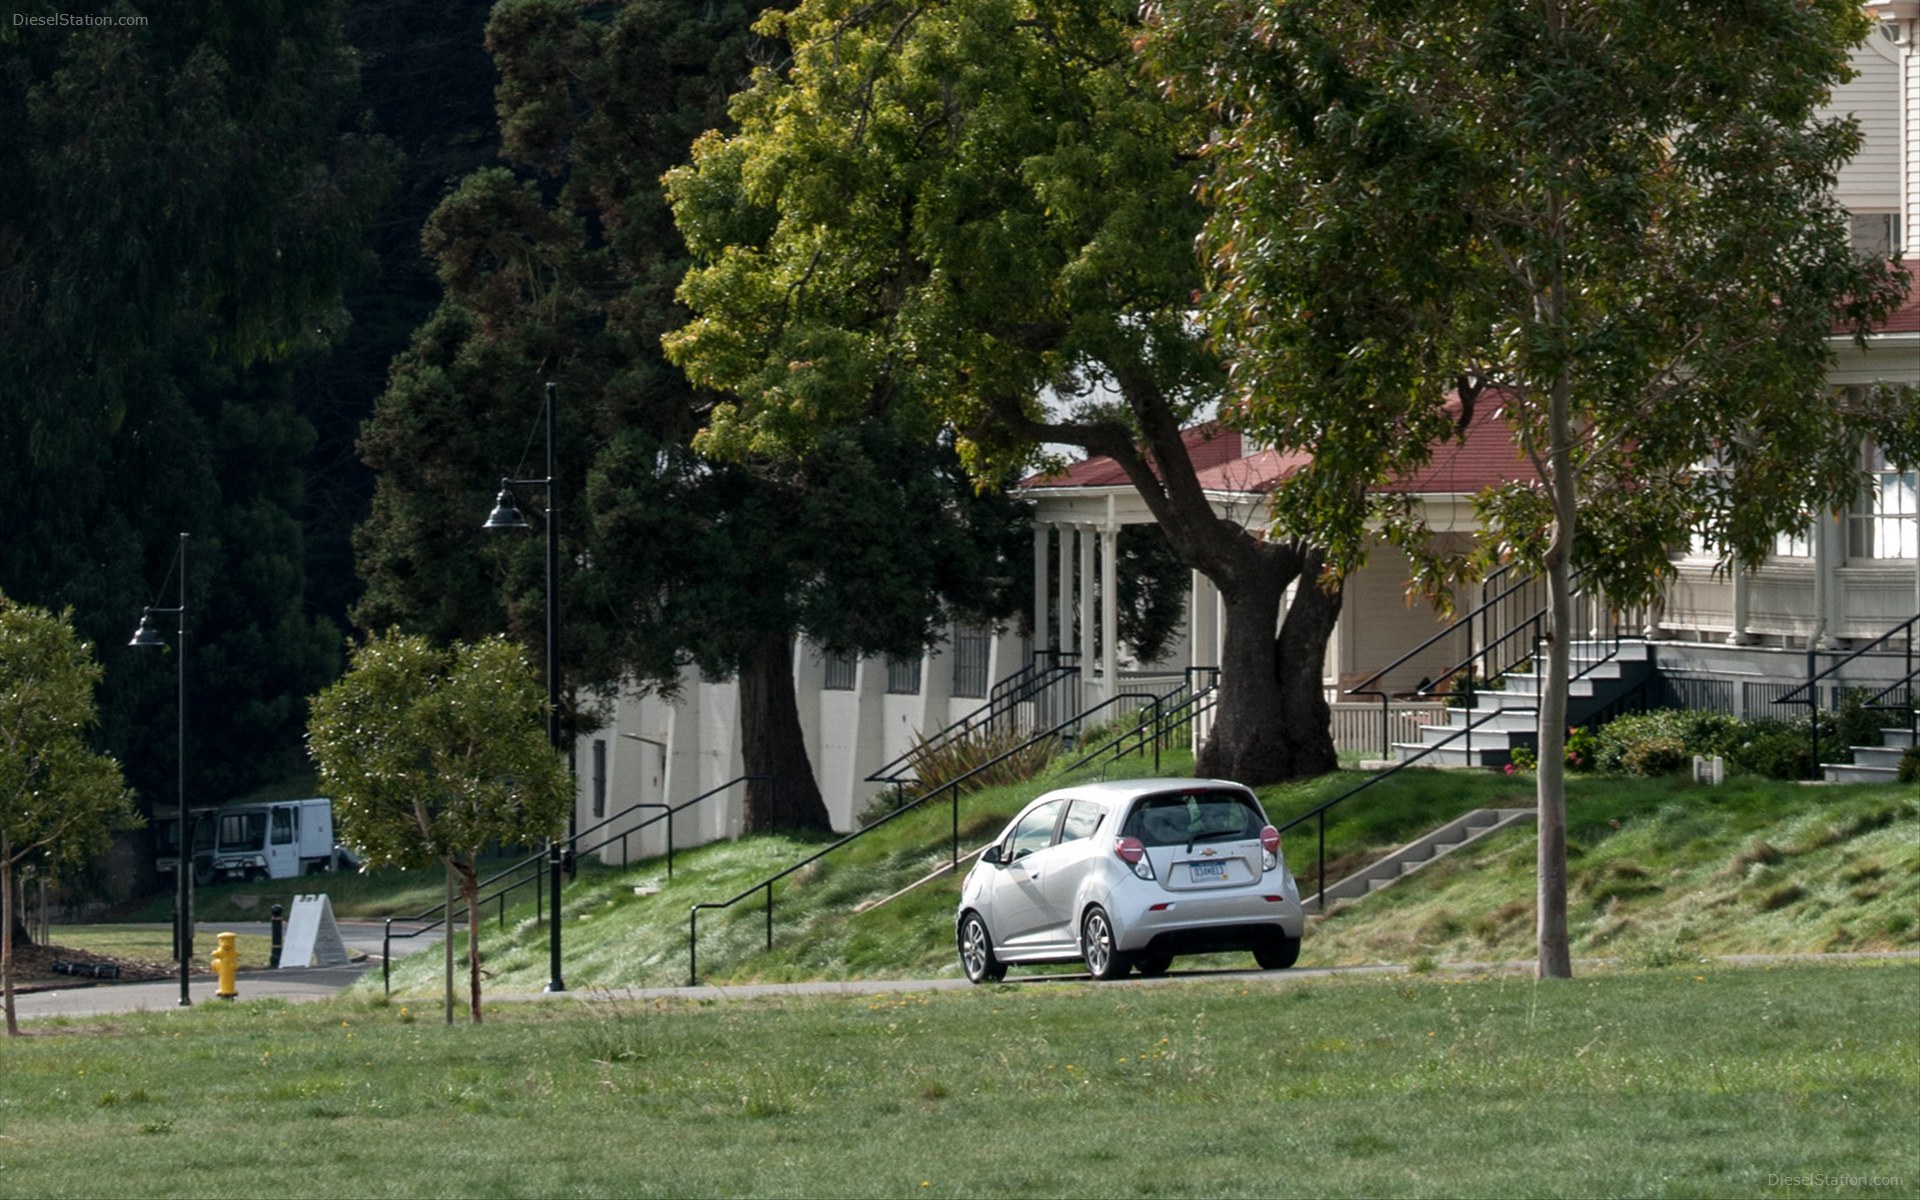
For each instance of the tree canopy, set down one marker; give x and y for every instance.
(183, 201)
(982, 214)
(60, 799)
(562, 267)
(1616, 220)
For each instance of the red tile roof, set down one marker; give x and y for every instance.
(1487, 456)
(1906, 318)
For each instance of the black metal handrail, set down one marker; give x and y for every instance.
(952, 787)
(1483, 612)
(1320, 875)
(1808, 693)
(1027, 684)
(1138, 737)
(538, 861)
(1505, 648)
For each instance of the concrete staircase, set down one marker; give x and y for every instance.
(1872, 764)
(1463, 831)
(1508, 718)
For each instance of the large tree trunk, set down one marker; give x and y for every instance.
(1272, 722)
(772, 744)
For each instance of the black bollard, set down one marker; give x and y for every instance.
(279, 927)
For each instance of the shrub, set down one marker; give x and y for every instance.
(1856, 724)
(1775, 749)
(1909, 770)
(1583, 749)
(1705, 733)
(1657, 755)
(935, 764)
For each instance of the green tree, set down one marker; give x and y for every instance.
(182, 202)
(980, 211)
(432, 755)
(60, 800)
(871, 546)
(1615, 219)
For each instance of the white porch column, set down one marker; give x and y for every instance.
(1063, 589)
(1203, 620)
(1040, 535)
(1829, 551)
(1110, 608)
(1089, 621)
(1742, 581)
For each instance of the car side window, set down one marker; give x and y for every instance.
(1034, 831)
(1083, 817)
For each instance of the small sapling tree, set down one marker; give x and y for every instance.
(60, 800)
(431, 754)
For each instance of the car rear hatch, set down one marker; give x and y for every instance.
(1200, 840)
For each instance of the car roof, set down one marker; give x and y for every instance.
(1122, 790)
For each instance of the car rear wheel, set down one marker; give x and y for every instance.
(1104, 960)
(1278, 954)
(976, 952)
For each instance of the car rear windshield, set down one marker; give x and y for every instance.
(1181, 818)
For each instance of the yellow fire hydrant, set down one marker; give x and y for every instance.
(226, 961)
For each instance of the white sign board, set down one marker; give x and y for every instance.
(313, 936)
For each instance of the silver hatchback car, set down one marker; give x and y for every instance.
(1130, 873)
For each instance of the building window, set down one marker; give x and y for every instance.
(840, 669)
(903, 676)
(970, 652)
(1798, 544)
(599, 777)
(1882, 523)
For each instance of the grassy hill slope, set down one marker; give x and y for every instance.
(1662, 870)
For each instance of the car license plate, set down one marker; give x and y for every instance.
(1207, 872)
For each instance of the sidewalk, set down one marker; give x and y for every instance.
(363, 940)
(87, 1000)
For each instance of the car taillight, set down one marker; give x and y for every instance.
(1134, 854)
(1269, 848)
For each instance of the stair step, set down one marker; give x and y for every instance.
(1878, 756)
(1417, 854)
(1855, 773)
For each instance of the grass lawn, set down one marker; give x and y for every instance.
(1690, 1081)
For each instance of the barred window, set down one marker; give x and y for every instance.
(599, 777)
(840, 669)
(971, 646)
(903, 676)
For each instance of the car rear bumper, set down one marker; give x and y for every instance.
(1207, 923)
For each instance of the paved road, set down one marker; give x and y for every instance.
(363, 941)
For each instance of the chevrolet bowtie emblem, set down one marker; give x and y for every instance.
(1208, 853)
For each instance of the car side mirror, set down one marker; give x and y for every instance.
(991, 856)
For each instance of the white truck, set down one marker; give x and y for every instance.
(277, 839)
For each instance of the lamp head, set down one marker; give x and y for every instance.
(505, 514)
(147, 634)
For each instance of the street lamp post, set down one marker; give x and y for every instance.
(149, 635)
(506, 515)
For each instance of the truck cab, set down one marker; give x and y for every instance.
(277, 839)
